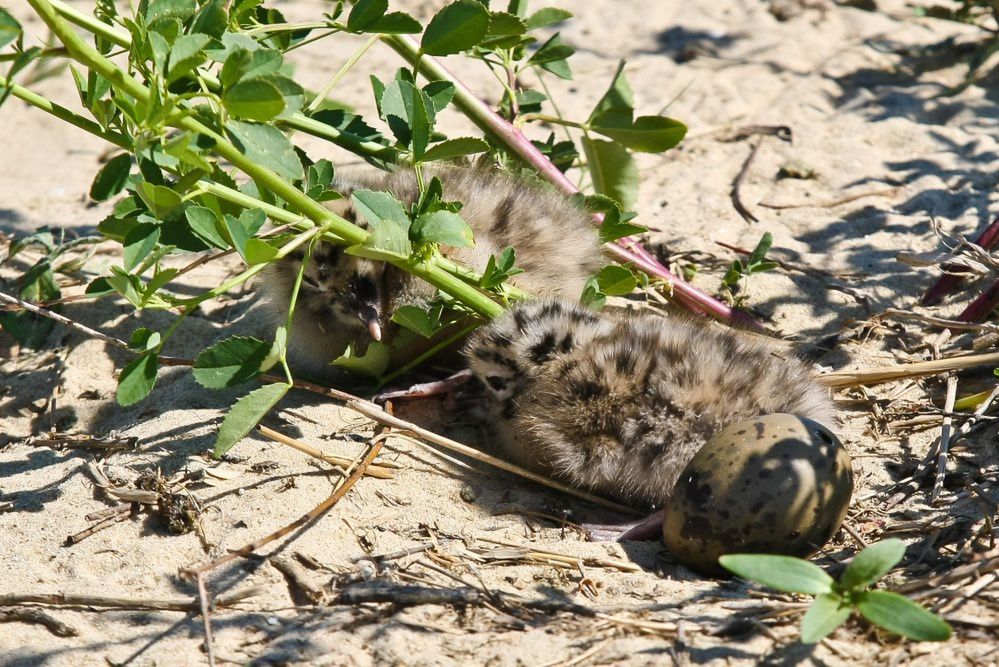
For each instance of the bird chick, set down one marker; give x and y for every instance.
(347, 300)
(619, 405)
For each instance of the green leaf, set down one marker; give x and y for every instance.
(254, 99)
(364, 13)
(244, 64)
(762, 248)
(592, 297)
(176, 9)
(137, 379)
(112, 178)
(613, 171)
(827, 612)
(292, 94)
(266, 145)
(373, 363)
(159, 280)
(211, 20)
(499, 270)
(452, 148)
(395, 23)
(648, 134)
(242, 229)
(186, 54)
(278, 349)
(10, 29)
(502, 23)
(259, 251)
(612, 227)
(897, 613)
(440, 93)
(127, 285)
(782, 573)
(442, 227)
(552, 55)
(246, 413)
(617, 100)
(230, 362)
(139, 242)
(144, 340)
(378, 206)
(872, 563)
(546, 16)
(407, 110)
(457, 27)
(388, 240)
(615, 280)
(415, 319)
(159, 199)
(206, 226)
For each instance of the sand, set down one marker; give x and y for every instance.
(864, 115)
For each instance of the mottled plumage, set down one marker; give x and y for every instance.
(619, 405)
(346, 300)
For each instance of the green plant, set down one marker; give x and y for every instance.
(836, 601)
(736, 279)
(199, 98)
(981, 13)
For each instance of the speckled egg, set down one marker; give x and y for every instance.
(778, 484)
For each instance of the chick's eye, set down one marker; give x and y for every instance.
(309, 280)
(496, 383)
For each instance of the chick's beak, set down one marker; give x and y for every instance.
(369, 315)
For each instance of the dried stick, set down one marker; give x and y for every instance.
(112, 602)
(869, 376)
(735, 194)
(374, 470)
(206, 619)
(39, 617)
(953, 325)
(76, 326)
(846, 199)
(989, 562)
(945, 434)
(306, 518)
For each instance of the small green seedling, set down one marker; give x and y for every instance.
(835, 601)
(757, 263)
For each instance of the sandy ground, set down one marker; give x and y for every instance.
(866, 114)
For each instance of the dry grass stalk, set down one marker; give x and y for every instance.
(305, 519)
(375, 470)
(841, 379)
(945, 434)
(562, 559)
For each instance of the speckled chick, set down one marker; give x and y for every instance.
(349, 300)
(619, 405)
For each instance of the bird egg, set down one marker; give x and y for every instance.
(776, 484)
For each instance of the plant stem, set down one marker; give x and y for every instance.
(554, 120)
(624, 250)
(64, 114)
(319, 214)
(321, 95)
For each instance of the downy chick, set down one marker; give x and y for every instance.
(349, 300)
(619, 405)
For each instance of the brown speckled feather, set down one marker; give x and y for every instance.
(619, 405)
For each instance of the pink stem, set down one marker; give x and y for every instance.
(980, 308)
(951, 279)
(625, 249)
